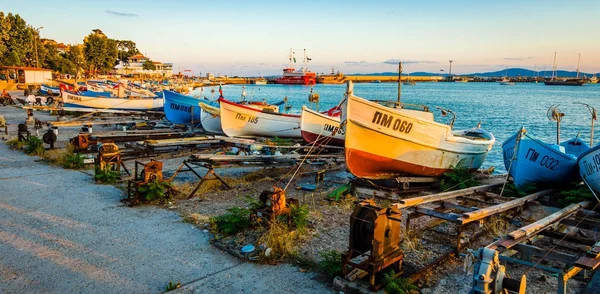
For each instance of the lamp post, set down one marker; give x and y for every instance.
(35, 46)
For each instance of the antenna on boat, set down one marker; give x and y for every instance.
(554, 114)
(445, 112)
(592, 111)
(399, 82)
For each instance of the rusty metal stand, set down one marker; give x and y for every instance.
(210, 171)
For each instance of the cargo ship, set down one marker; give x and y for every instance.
(303, 76)
(333, 78)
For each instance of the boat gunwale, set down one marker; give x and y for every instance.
(587, 152)
(257, 110)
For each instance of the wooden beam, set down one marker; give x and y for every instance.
(430, 212)
(530, 250)
(472, 216)
(404, 203)
(547, 221)
(451, 205)
(377, 193)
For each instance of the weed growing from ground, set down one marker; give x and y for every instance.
(172, 286)
(394, 285)
(330, 263)
(106, 175)
(235, 220)
(578, 194)
(457, 178)
(299, 215)
(15, 144)
(35, 146)
(155, 190)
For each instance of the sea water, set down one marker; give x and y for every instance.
(502, 110)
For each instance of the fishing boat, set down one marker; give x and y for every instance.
(322, 128)
(555, 81)
(506, 82)
(594, 79)
(409, 83)
(383, 142)
(210, 116)
(112, 103)
(181, 109)
(589, 169)
(531, 162)
(47, 90)
(238, 120)
(303, 76)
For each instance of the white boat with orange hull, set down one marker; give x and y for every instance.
(383, 142)
(322, 128)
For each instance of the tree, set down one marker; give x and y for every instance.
(126, 49)
(100, 52)
(17, 41)
(74, 60)
(149, 65)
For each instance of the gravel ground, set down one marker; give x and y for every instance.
(62, 233)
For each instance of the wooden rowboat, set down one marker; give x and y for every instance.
(321, 127)
(210, 116)
(114, 103)
(383, 142)
(239, 120)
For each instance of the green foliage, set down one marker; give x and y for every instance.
(172, 286)
(510, 190)
(35, 146)
(15, 144)
(281, 141)
(100, 52)
(578, 194)
(148, 65)
(330, 263)
(253, 204)
(235, 220)
(106, 175)
(457, 178)
(126, 49)
(17, 41)
(73, 161)
(395, 285)
(155, 190)
(299, 216)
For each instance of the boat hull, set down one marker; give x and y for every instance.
(321, 128)
(245, 121)
(178, 108)
(44, 89)
(131, 104)
(531, 162)
(589, 168)
(564, 83)
(382, 142)
(210, 116)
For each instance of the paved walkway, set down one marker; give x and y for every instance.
(62, 233)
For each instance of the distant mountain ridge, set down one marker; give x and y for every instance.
(511, 72)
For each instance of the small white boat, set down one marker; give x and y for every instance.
(210, 116)
(260, 82)
(132, 103)
(246, 121)
(589, 169)
(324, 128)
(383, 142)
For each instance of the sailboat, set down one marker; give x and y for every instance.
(554, 81)
(409, 82)
(505, 81)
(594, 79)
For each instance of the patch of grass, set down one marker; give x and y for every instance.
(299, 215)
(496, 226)
(106, 175)
(172, 286)
(280, 239)
(330, 263)
(35, 146)
(235, 220)
(280, 142)
(578, 194)
(15, 144)
(457, 178)
(510, 190)
(394, 285)
(155, 190)
(73, 161)
(411, 240)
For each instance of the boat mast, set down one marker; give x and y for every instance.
(399, 82)
(578, 61)
(304, 62)
(290, 58)
(554, 67)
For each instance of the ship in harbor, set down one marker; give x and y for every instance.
(555, 81)
(303, 76)
(332, 78)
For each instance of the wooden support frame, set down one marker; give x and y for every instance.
(189, 168)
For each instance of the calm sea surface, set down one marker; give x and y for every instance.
(502, 110)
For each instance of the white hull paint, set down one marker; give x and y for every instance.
(245, 121)
(383, 142)
(589, 168)
(134, 104)
(211, 122)
(320, 127)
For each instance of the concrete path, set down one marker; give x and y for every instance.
(62, 233)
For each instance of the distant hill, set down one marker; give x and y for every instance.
(511, 72)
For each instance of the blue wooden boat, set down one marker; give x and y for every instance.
(94, 94)
(178, 108)
(44, 89)
(589, 169)
(532, 162)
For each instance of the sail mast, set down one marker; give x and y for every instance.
(578, 61)
(554, 67)
(399, 82)
(290, 58)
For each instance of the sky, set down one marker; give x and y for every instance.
(252, 38)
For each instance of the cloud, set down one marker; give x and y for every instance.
(120, 13)
(395, 61)
(518, 58)
(357, 63)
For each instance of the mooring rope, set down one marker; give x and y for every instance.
(303, 160)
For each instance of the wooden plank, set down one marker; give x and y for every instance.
(451, 205)
(591, 259)
(530, 264)
(416, 179)
(578, 240)
(377, 193)
(404, 203)
(530, 250)
(468, 217)
(430, 212)
(547, 221)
